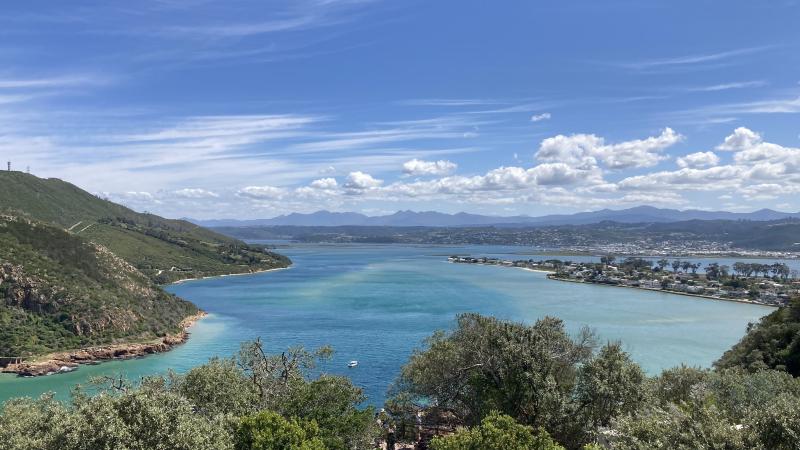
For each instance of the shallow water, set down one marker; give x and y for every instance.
(376, 303)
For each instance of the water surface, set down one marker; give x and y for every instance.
(376, 303)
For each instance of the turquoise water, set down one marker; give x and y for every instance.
(376, 303)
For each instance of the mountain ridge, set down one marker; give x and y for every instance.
(638, 214)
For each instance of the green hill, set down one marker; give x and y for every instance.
(59, 291)
(772, 343)
(163, 249)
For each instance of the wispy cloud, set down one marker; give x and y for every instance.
(728, 86)
(451, 102)
(691, 60)
(52, 82)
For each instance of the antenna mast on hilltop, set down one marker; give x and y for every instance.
(9, 166)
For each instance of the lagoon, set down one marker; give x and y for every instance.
(376, 303)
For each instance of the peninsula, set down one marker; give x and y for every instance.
(775, 285)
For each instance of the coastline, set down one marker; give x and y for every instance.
(228, 275)
(70, 360)
(663, 291)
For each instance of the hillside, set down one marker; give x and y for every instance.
(165, 250)
(59, 291)
(772, 343)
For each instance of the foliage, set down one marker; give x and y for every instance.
(496, 432)
(729, 409)
(485, 364)
(269, 431)
(132, 420)
(610, 385)
(58, 291)
(773, 343)
(211, 406)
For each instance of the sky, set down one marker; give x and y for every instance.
(252, 109)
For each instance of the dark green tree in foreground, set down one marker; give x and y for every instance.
(609, 385)
(256, 400)
(496, 432)
(270, 431)
(528, 372)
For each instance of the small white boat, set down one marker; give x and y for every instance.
(352, 363)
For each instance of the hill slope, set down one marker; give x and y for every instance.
(772, 343)
(58, 291)
(165, 250)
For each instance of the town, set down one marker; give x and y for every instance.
(766, 284)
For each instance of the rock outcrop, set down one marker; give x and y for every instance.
(61, 362)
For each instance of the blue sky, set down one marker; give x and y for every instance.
(214, 109)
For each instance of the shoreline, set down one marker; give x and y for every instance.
(227, 275)
(70, 360)
(663, 291)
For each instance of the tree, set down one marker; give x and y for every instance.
(676, 264)
(496, 432)
(218, 387)
(138, 419)
(712, 271)
(607, 260)
(662, 264)
(333, 403)
(675, 385)
(269, 431)
(525, 371)
(609, 385)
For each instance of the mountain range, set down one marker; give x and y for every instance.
(639, 214)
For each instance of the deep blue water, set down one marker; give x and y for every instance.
(376, 303)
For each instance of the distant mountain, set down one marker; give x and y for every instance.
(639, 214)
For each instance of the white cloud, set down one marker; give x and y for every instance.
(728, 86)
(418, 167)
(262, 192)
(195, 193)
(584, 151)
(359, 181)
(741, 139)
(324, 183)
(540, 117)
(698, 160)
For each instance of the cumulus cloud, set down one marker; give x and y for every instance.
(698, 160)
(741, 139)
(195, 193)
(418, 167)
(540, 117)
(360, 181)
(261, 192)
(324, 183)
(583, 151)
(571, 170)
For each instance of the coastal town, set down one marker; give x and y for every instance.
(767, 284)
